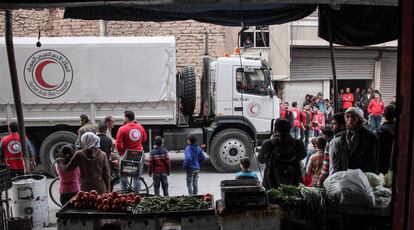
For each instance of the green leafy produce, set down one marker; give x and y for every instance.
(171, 204)
(373, 179)
(388, 179)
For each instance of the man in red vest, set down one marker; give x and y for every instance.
(307, 124)
(130, 136)
(11, 151)
(297, 121)
(347, 99)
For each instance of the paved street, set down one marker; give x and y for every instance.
(209, 181)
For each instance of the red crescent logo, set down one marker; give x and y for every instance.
(251, 109)
(39, 75)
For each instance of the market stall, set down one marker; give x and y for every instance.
(244, 205)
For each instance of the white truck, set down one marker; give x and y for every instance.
(101, 76)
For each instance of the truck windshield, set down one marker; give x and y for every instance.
(251, 82)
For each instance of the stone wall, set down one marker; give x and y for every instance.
(189, 34)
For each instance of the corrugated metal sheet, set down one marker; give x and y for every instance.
(315, 64)
(388, 81)
(296, 91)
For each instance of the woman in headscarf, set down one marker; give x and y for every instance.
(93, 165)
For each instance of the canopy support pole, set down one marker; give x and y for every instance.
(15, 87)
(332, 52)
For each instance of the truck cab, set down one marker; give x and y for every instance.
(245, 106)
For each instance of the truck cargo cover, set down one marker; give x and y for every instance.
(92, 69)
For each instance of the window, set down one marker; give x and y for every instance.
(255, 36)
(251, 81)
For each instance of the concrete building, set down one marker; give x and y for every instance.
(301, 62)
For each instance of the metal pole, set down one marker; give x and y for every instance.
(15, 87)
(332, 52)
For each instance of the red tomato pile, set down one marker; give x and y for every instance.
(107, 202)
(207, 198)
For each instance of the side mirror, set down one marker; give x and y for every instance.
(270, 92)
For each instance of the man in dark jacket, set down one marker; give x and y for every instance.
(357, 148)
(105, 142)
(282, 155)
(385, 137)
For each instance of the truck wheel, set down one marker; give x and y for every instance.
(52, 144)
(228, 147)
(188, 99)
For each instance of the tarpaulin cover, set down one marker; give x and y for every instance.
(359, 25)
(221, 14)
(353, 25)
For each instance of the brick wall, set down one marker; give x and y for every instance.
(189, 34)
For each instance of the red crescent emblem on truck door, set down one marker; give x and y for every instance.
(39, 74)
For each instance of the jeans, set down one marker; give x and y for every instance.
(295, 132)
(192, 182)
(375, 121)
(126, 181)
(160, 179)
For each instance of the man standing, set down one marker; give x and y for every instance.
(297, 121)
(365, 100)
(11, 151)
(357, 148)
(338, 127)
(307, 124)
(110, 124)
(86, 126)
(358, 94)
(385, 139)
(329, 112)
(340, 102)
(318, 121)
(282, 155)
(375, 110)
(347, 99)
(130, 136)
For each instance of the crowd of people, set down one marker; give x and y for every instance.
(309, 145)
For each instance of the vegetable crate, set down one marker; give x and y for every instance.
(132, 163)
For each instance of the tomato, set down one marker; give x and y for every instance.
(137, 199)
(117, 201)
(115, 207)
(99, 200)
(100, 207)
(87, 194)
(94, 192)
(208, 194)
(114, 194)
(106, 208)
(80, 193)
(207, 199)
(123, 200)
(78, 205)
(106, 201)
(110, 200)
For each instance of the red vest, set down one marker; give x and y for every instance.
(282, 113)
(12, 152)
(296, 117)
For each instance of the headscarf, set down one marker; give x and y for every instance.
(90, 140)
(352, 136)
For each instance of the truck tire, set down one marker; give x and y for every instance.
(51, 145)
(228, 147)
(188, 99)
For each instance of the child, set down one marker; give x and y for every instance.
(314, 166)
(246, 173)
(159, 166)
(68, 181)
(193, 157)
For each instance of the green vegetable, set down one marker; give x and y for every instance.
(388, 179)
(373, 179)
(170, 204)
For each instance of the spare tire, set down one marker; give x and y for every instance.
(52, 144)
(188, 98)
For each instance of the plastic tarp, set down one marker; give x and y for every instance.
(221, 14)
(359, 25)
(352, 25)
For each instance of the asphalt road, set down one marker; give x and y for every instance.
(209, 181)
